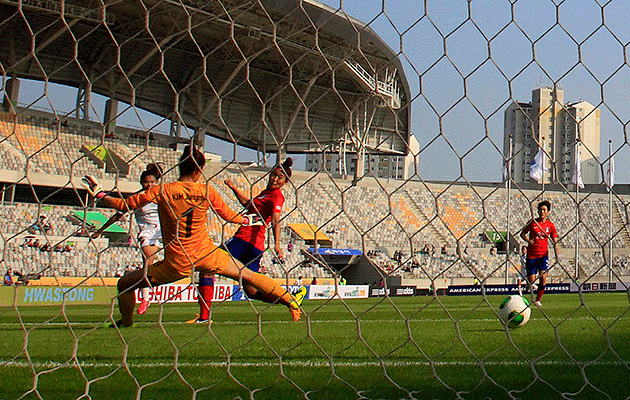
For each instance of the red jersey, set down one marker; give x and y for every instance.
(539, 232)
(269, 201)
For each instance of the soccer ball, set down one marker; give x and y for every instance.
(514, 311)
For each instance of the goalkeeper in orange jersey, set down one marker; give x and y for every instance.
(183, 208)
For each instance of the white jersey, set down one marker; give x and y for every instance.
(521, 272)
(148, 221)
(147, 217)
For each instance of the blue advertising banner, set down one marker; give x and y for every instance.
(336, 252)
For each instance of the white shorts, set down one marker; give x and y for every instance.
(150, 237)
(520, 275)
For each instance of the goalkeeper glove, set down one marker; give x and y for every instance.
(92, 186)
(252, 220)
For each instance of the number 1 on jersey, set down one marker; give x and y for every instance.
(187, 218)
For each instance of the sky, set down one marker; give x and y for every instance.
(466, 61)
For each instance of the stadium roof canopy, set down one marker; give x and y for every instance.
(288, 75)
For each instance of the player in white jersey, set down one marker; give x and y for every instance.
(150, 233)
(521, 274)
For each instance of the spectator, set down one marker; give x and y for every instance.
(44, 225)
(34, 228)
(314, 281)
(443, 251)
(426, 249)
(21, 279)
(130, 268)
(35, 244)
(298, 281)
(8, 278)
(290, 247)
(46, 247)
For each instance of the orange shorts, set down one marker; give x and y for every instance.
(172, 269)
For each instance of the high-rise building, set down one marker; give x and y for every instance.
(378, 165)
(561, 128)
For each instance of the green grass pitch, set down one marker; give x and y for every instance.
(388, 348)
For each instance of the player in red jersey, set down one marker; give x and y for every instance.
(183, 209)
(536, 233)
(248, 243)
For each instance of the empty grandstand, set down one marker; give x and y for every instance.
(334, 100)
(389, 216)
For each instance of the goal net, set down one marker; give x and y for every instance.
(424, 135)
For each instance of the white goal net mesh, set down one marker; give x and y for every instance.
(417, 130)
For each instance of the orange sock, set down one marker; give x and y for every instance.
(270, 289)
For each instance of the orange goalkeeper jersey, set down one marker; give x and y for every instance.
(183, 209)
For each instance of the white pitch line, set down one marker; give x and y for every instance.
(319, 364)
(346, 321)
